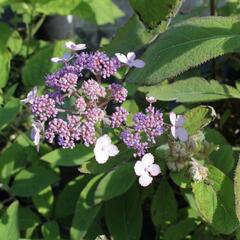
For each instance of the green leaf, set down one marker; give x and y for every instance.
(5, 35)
(5, 58)
(67, 198)
(15, 42)
(9, 112)
(237, 190)
(33, 180)
(69, 157)
(181, 229)
(9, 223)
(215, 201)
(43, 201)
(164, 205)
(198, 118)
(100, 12)
(114, 184)
(194, 89)
(60, 7)
(85, 212)
(39, 64)
(51, 230)
(223, 158)
(124, 219)
(131, 37)
(12, 159)
(214, 136)
(27, 218)
(153, 12)
(185, 45)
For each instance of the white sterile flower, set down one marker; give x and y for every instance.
(66, 57)
(31, 96)
(177, 130)
(36, 133)
(104, 149)
(75, 47)
(130, 60)
(151, 99)
(146, 169)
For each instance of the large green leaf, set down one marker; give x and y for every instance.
(69, 157)
(237, 190)
(215, 201)
(9, 112)
(31, 181)
(9, 223)
(192, 90)
(51, 230)
(39, 64)
(115, 183)
(154, 12)
(124, 219)
(85, 212)
(186, 45)
(164, 205)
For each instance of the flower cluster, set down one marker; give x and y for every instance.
(146, 126)
(75, 109)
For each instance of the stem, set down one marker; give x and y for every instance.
(213, 13)
(38, 25)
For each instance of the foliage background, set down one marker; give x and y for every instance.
(191, 59)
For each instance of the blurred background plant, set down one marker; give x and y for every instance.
(43, 195)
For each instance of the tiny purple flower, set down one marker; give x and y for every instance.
(118, 92)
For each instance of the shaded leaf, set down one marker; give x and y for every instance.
(124, 219)
(164, 205)
(33, 180)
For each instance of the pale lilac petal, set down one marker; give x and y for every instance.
(103, 140)
(57, 60)
(131, 56)
(151, 99)
(121, 57)
(112, 150)
(145, 180)
(174, 132)
(173, 118)
(180, 121)
(75, 47)
(30, 96)
(182, 134)
(154, 169)
(139, 168)
(148, 159)
(138, 63)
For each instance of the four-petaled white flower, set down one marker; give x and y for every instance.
(31, 96)
(130, 60)
(66, 57)
(75, 47)
(104, 149)
(38, 127)
(177, 130)
(146, 169)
